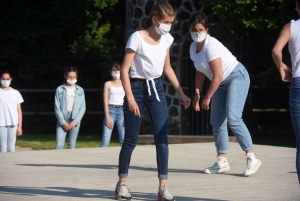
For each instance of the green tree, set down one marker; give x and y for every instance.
(39, 38)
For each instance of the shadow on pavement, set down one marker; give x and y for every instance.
(84, 193)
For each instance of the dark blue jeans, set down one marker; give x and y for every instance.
(159, 117)
(294, 104)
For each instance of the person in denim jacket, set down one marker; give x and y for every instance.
(69, 109)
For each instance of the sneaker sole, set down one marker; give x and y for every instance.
(118, 198)
(254, 170)
(159, 198)
(207, 171)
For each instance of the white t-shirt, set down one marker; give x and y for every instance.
(294, 47)
(115, 95)
(70, 98)
(8, 107)
(212, 49)
(149, 60)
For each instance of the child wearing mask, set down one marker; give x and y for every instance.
(113, 98)
(10, 113)
(69, 109)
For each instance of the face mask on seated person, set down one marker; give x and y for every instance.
(71, 81)
(163, 29)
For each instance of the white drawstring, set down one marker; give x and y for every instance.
(154, 87)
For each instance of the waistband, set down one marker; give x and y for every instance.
(141, 79)
(117, 106)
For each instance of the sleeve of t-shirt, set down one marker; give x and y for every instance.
(19, 98)
(170, 39)
(213, 51)
(133, 41)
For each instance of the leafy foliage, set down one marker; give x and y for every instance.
(253, 14)
(39, 38)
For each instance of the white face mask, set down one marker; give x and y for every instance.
(163, 29)
(71, 81)
(115, 75)
(5, 83)
(198, 37)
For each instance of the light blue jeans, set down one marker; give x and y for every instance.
(294, 104)
(116, 116)
(227, 106)
(8, 137)
(61, 134)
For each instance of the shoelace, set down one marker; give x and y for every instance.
(122, 190)
(249, 162)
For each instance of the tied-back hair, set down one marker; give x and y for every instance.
(4, 71)
(115, 64)
(69, 69)
(161, 9)
(198, 19)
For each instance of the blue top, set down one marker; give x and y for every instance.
(60, 106)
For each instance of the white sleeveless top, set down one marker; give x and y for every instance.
(294, 47)
(149, 60)
(115, 95)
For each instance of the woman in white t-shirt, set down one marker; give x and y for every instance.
(227, 94)
(10, 113)
(69, 109)
(146, 58)
(113, 98)
(290, 34)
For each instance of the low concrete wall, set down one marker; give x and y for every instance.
(178, 139)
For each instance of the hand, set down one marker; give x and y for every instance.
(185, 101)
(108, 123)
(66, 127)
(19, 131)
(196, 102)
(133, 107)
(72, 125)
(205, 103)
(285, 73)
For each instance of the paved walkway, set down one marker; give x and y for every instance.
(91, 174)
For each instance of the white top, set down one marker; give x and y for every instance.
(115, 95)
(8, 107)
(70, 98)
(294, 47)
(149, 60)
(212, 49)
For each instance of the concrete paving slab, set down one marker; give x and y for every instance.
(91, 174)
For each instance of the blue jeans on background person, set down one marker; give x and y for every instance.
(227, 106)
(116, 116)
(294, 105)
(159, 115)
(8, 137)
(61, 134)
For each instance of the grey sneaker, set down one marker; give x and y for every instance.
(253, 164)
(122, 192)
(164, 194)
(221, 165)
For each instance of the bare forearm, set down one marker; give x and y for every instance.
(126, 85)
(199, 81)
(169, 72)
(214, 85)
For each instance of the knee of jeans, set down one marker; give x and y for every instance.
(235, 122)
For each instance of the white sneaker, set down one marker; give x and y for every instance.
(164, 194)
(253, 164)
(122, 192)
(221, 165)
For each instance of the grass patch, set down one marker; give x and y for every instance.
(48, 141)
